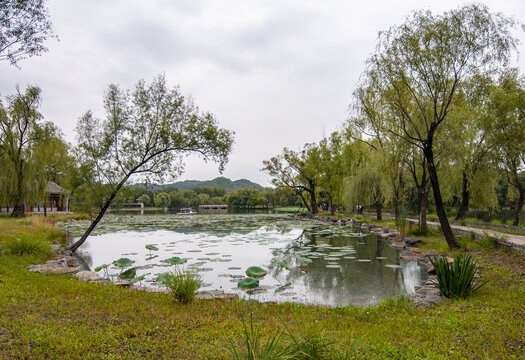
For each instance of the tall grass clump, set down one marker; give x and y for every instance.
(183, 285)
(257, 348)
(288, 344)
(456, 280)
(24, 244)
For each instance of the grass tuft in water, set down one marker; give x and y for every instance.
(183, 285)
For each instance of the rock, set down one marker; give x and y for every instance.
(413, 241)
(399, 245)
(408, 255)
(122, 283)
(431, 270)
(71, 261)
(90, 276)
(226, 296)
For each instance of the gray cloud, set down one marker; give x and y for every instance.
(279, 73)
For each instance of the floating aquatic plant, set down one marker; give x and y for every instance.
(256, 272)
(151, 248)
(303, 261)
(282, 264)
(248, 283)
(175, 261)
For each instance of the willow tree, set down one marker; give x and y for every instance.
(145, 134)
(20, 122)
(506, 130)
(420, 65)
(470, 147)
(372, 126)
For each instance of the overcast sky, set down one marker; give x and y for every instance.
(278, 73)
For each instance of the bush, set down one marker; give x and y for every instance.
(25, 245)
(456, 280)
(183, 285)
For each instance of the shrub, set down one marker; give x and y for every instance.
(183, 285)
(24, 244)
(456, 280)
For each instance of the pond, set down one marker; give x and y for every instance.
(345, 268)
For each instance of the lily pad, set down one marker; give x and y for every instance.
(282, 264)
(256, 272)
(175, 261)
(303, 260)
(128, 274)
(151, 247)
(248, 283)
(123, 262)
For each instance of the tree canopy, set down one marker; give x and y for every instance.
(145, 134)
(24, 27)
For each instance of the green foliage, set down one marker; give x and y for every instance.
(183, 285)
(151, 247)
(457, 279)
(24, 28)
(123, 263)
(248, 283)
(256, 347)
(282, 264)
(138, 278)
(128, 274)
(175, 261)
(255, 272)
(101, 267)
(24, 244)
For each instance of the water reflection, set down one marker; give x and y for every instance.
(346, 268)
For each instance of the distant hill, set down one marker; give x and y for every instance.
(220, 182)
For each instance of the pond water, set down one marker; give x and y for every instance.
(346, 267)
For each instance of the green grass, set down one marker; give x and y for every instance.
(59, 317)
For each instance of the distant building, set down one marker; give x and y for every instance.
(57, 200)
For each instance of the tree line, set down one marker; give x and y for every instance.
(437, 111)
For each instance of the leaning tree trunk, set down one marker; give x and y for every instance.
(465, 198)
(519, 207)
(440, 209)
(108, 202)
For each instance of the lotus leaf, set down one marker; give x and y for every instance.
(282, 264)
(165, 278)
(152, 247)
(103, 266)
(175, 261)
(303, 260)
(255, 272)
(128, 274)
(248, 283)
(138, 278)
(123, 262)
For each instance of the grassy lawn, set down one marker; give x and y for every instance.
(59, 317)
